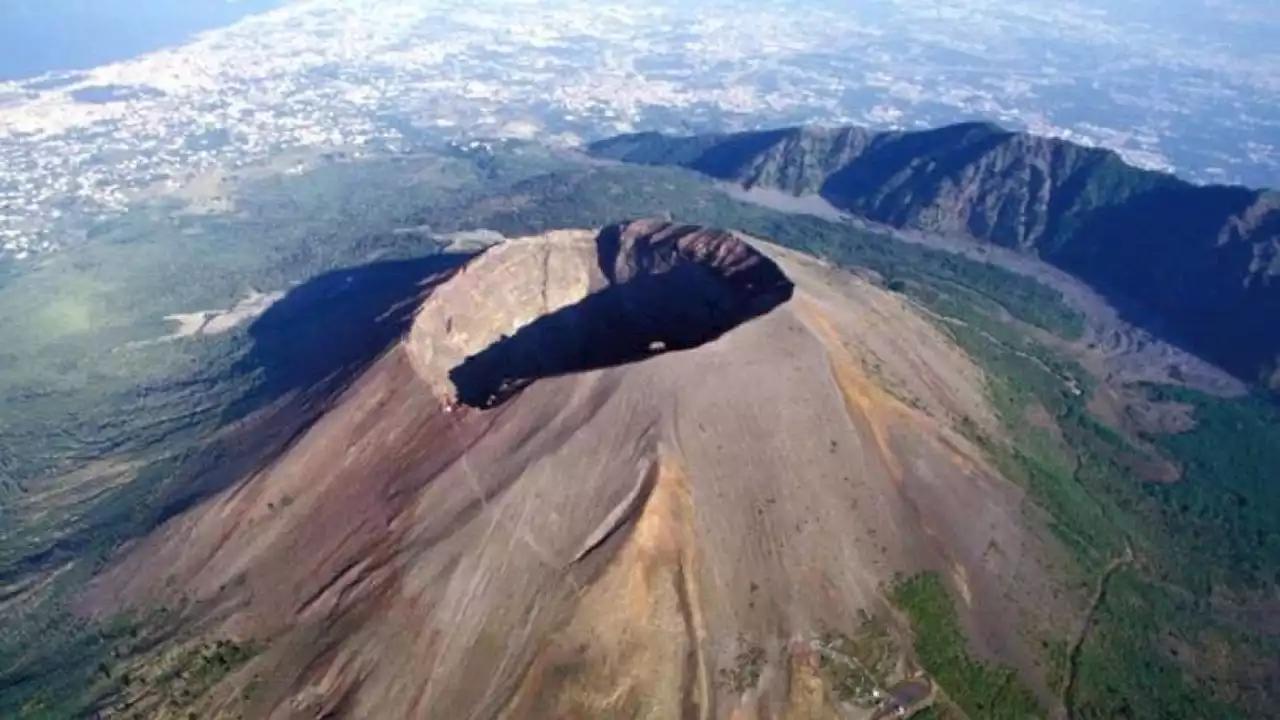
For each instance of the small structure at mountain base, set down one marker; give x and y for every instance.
(907, 698)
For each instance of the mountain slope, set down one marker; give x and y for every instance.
(1201, 259)
(1160, 601)
(651, 471)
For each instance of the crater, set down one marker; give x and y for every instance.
(571, 302)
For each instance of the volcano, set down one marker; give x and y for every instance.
(651, 470)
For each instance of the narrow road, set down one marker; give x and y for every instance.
(1073, 654)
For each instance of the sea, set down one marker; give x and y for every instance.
(44, 36)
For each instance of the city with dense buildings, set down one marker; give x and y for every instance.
(371, 76)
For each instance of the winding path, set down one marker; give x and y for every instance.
(1099, 594)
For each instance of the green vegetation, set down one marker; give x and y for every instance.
(938, 712)
(1122, 670)
(1226, 505)
(176, 681)
(979, 689)
(1079, 470)
(179, 681)
(54, 664)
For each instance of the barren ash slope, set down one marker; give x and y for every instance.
(652, 471)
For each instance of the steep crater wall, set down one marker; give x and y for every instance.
(633, 290)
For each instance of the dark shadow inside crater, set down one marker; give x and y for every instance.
(679, 304)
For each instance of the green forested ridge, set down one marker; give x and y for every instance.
(1227, 507)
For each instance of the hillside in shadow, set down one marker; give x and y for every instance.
(325, 331)
(301, 352)
(306, 348)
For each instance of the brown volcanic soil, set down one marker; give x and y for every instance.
(598, 467)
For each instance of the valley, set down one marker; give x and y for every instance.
(1188, 262)
(1111, 344)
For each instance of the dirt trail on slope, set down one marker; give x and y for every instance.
(1077, 644)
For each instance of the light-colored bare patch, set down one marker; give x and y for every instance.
(206, 193)
(520, 129)
(1038, 417)
(216, 322)
(242, 312)
(1162, 418)
(814, 205)
(472, 240)
(189, 324)
(808, 693)
(960, 579)
(29, 590)
(75, 488)
(1129, 412)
